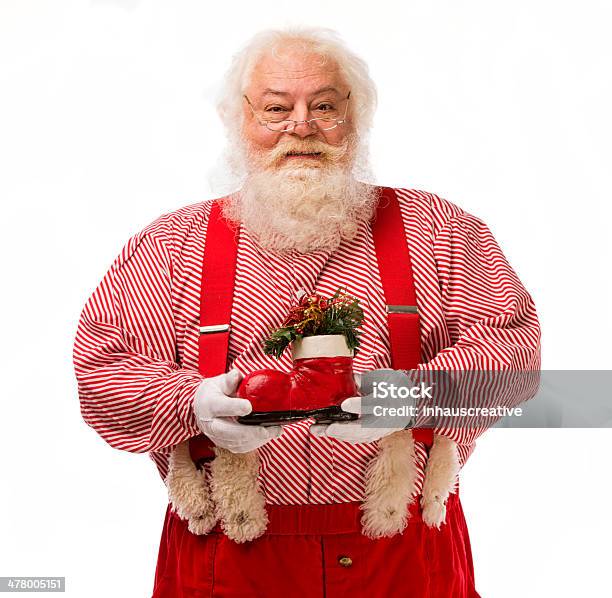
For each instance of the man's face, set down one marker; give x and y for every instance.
(299, 192)
(299, 86)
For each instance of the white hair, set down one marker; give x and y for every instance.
(319, 40)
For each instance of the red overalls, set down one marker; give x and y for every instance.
(317, 550)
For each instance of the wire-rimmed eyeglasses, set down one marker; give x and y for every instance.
(278, 124)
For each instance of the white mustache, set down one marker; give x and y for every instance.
(328, 153)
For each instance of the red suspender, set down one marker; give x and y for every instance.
(216, 292)
(395, 267)
(395, 270)
(217, 288)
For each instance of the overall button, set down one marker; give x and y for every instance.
(345, 561)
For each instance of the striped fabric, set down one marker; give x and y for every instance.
(135, 352)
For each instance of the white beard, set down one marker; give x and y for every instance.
(304, 207)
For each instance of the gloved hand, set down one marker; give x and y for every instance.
(215, 408)
(365, 429)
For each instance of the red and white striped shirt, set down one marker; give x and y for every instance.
(136, 348)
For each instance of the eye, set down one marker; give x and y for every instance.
(275, 109)
(325, 107)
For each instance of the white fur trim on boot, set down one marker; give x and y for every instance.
(440, 480)
(389, 486)
(235, 489)
(188, 491)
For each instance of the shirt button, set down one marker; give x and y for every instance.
(345, 561)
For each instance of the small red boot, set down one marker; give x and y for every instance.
(321, 378)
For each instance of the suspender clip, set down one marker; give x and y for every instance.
(214, 328)
(402, 309)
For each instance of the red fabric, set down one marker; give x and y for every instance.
(298, 556)
(395, 266)
(295, 559)
(424, 435)
(218, 274)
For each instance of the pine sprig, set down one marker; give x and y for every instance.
(315, 315)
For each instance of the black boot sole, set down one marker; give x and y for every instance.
(325, 415)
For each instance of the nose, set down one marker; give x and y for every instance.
(302, 130)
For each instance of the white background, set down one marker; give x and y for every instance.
(107, 121)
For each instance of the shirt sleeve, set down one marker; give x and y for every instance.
(494, 358)
(131, 389)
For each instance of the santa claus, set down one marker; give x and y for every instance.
(304, 508)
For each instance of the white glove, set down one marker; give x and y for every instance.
(364, 429)
(215, 409)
